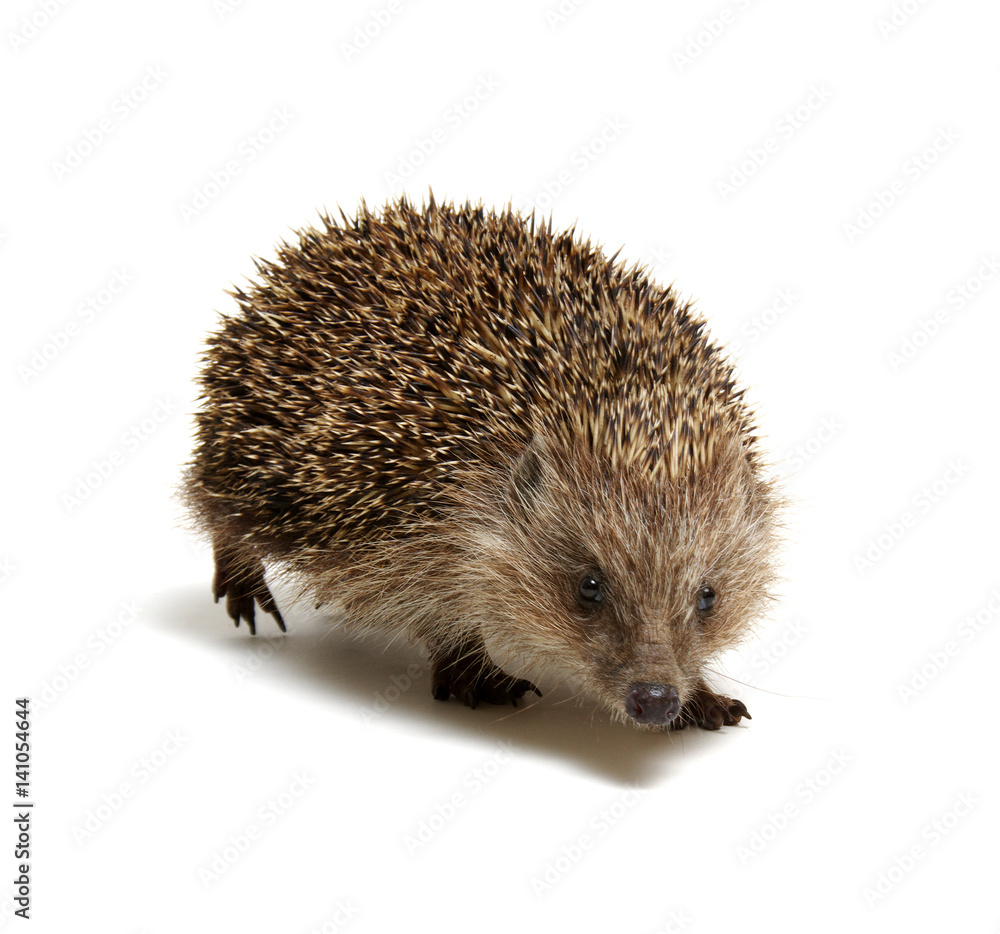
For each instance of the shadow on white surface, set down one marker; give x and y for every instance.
(317, 655)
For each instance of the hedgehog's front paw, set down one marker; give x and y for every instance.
(709, 711)
(472, 682)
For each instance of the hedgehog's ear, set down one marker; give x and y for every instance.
(529, 474)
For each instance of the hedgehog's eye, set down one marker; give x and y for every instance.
(590, 589)
(706, 599)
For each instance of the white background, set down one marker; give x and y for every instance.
(189, 778)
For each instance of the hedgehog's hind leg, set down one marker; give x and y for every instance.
(466, 670)
(239, 577)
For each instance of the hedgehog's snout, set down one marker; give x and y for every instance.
(647, 702)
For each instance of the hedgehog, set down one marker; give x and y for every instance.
(462, 426)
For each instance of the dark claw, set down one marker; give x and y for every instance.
(522, 687)
(441, 692)
(738, 709)
(242, 583)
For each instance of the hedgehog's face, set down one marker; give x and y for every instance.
(623, 586)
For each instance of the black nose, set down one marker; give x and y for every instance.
(652, 703)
